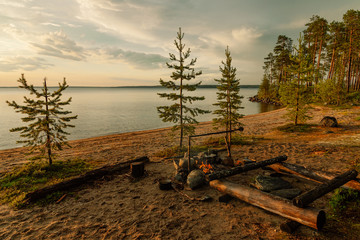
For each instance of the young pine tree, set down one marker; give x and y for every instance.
(180, 112)
(294, 94)
(46, 118)
(229, 100)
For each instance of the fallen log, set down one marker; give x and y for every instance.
(311, 217)
(83, 179)
(319, 191)
(318, 177)
(241, 169)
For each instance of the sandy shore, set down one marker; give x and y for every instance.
(121, 209)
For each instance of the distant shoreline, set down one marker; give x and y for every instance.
(157, 86)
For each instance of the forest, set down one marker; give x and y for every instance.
(329, 69)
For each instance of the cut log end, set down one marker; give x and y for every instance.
(137, 169)
(321, 220)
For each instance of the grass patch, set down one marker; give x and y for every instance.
(357, 118)
(34, 175)
(235, 140)
(290, 128)
(341, 199)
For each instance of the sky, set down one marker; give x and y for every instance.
(127, 42)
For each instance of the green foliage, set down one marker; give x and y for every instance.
(34, 175)
(228, 98)
(290, 128)
(293, 93)
(46, 118)
(329, 92)
(341, 198)
(180, 113)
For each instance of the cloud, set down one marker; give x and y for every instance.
(22, 63)
(245, 35)
(136, 59)
(57, 44)
(130, 20)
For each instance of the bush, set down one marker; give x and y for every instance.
(290, 128)
(341, 198)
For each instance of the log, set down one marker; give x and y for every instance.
(319, 191)
(83, 179)
(309, 216)
(289, 226)
(137, 169)
(241, 169)
(318, 177)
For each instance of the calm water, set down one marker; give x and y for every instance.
(103, 111)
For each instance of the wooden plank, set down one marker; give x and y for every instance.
(311, 217)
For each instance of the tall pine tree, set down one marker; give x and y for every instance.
(180, 112)
(229, 100)
(294, 94)
(45, 117)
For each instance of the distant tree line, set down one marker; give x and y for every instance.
(331, 50)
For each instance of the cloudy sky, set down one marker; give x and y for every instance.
(127, 42)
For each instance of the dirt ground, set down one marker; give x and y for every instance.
(125, 209)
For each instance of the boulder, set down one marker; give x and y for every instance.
(195, 179)
(267, 183)
(329, 122)
(287, 193)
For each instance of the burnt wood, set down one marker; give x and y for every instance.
(319, 191)
(305, 173)
(241, 169)
(137, 169)
(309, 216)
(83, 179)
(289, 226)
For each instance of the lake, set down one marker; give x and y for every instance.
(104, 111)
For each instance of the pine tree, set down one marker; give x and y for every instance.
(293, 94)
(45, 117)
(180, 113)
(229, 100)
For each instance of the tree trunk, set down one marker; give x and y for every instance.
(349, 63)
(319, 191)
(311, 217)
(241, 169)
(48, 139)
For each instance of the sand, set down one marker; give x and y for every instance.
(125, 209)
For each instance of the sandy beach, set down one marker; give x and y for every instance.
(125, 209)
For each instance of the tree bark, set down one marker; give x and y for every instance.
(319, 191)
(310, 175)
(311, 217)
(241, 169)
(86, 178)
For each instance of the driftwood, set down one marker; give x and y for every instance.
(311, 217)
(83, 179)
(319, 191)
(241, 169)
(318, 177)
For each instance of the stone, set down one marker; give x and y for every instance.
(287, 193)
(329, 122)
(267, 183)
(195, 179)
(183, 163)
